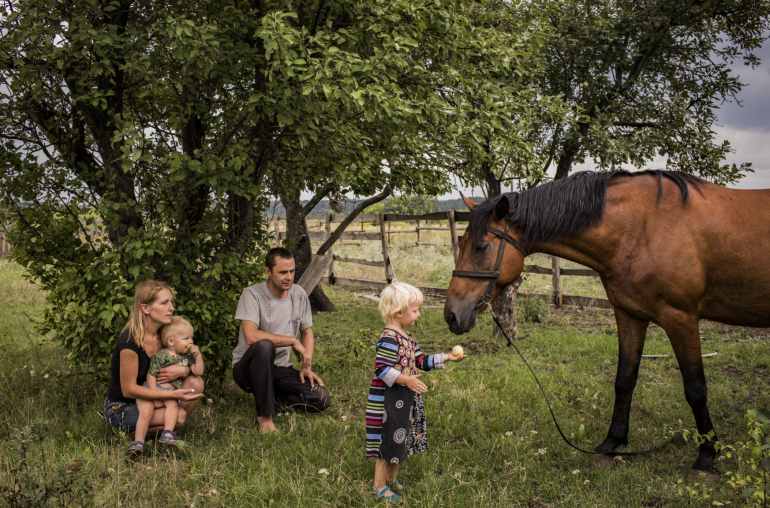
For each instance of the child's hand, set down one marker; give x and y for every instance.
(414, 384)
(194, 350)
(452, 358)
(158, 404)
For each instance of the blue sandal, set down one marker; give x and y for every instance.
(136, 448)
(396, 485)
(383, 494)
(168, 437)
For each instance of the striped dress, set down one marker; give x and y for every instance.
(395, 415)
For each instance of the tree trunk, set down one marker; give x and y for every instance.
(506, 309)
(505, 306)
(298, 242)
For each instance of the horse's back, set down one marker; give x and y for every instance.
(735, 252)
(710, 257)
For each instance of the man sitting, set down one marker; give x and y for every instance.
(271, 314)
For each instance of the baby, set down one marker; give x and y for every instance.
(177, 339)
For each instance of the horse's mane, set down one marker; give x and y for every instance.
(559, 209)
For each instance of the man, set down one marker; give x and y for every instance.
(271, 314)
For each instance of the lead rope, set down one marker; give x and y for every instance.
(673, 439)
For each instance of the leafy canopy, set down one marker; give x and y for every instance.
(162, 126)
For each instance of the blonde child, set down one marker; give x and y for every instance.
(395, 415)
(177, 340)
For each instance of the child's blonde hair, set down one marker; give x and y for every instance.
(397, 297)
(177, 324)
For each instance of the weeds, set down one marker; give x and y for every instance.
(534, 310)
(33, 480)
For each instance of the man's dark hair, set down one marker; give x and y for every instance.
(276, 252)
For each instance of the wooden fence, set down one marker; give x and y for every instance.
(320, 227)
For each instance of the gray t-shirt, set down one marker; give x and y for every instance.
(273, 315)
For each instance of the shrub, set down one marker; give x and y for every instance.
(34, 480)
(534, 310)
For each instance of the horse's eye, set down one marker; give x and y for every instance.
(481, 247)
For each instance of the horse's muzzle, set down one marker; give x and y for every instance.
(459, 318)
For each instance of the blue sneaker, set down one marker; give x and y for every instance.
(136, 448)
(168, 438)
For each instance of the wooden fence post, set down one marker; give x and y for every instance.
(277, 233)
(331, 251)
(557, 296)
(385, 255)
(453, 231)
(388, 233)
(418, 234)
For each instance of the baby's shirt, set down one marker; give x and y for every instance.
(166, 357)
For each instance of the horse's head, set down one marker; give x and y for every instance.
(483, 268)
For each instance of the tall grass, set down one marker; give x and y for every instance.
(492, 443)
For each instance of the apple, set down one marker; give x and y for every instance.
(457, 350)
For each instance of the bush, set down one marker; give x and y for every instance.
(34, 481)
(534, 310)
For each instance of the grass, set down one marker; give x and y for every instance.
(492, 442)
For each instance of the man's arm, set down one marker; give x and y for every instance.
(306, 336)
(252, 334)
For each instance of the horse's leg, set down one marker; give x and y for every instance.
(631, 334)
(682, 330)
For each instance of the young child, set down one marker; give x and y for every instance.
(395, 415)
(177, 339)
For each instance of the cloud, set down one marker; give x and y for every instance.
(754, 110)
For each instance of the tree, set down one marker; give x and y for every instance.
(171, 121)
(412, 204)
(403, 83)
(643, 79)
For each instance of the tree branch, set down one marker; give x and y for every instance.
(317, 198)
(351, 216)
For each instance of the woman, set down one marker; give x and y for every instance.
(139, 340)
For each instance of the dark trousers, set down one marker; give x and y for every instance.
(256, 373)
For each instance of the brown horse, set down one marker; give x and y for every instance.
(670, 248)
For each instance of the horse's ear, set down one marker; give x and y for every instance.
(501, 208)
(470, 204)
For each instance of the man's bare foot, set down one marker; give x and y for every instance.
(266, 424)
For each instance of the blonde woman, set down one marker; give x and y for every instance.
(140, 339)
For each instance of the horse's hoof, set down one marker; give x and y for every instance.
(603, 460)
(705, 476)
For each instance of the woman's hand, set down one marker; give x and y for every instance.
(414, 384)
(172, 372)
(452, 358)
(184, 395)
(158, 403)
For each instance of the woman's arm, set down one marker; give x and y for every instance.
(129, 368)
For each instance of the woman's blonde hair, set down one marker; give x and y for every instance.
(173, 328)
(145, 294)
(397, 297)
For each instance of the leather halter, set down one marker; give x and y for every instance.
(495, 273)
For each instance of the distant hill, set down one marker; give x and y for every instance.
(323, 206)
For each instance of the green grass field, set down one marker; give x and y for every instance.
(492, 442)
